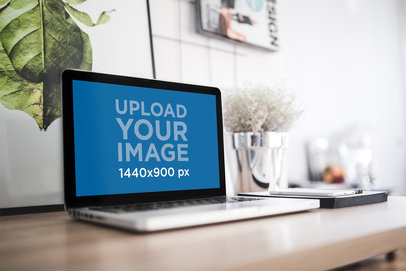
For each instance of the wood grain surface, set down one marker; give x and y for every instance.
(313, 240)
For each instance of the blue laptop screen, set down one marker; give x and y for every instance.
(132, 139)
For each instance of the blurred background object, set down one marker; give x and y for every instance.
(344, 158)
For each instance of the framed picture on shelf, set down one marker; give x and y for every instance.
(251, 22)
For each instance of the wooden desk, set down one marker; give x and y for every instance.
(312, 240)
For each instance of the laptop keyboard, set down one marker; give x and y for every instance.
(170, 204)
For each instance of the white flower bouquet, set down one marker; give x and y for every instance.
(260, 108)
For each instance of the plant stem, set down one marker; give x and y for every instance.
(41, 8)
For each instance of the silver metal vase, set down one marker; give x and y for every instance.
(260, 161)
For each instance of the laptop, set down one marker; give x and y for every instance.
(147, 155)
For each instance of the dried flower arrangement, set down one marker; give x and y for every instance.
(260, 108)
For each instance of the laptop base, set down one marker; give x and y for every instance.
(180, 217)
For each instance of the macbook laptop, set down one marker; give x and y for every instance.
(147, 155)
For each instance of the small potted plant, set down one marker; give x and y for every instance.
(258, 118)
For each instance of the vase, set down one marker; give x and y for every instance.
(259, 161)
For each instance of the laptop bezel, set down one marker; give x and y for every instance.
(71, 200)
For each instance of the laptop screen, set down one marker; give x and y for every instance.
(132, 139)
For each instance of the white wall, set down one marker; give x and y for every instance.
(344, 58)
(402, 34)
(341, 56)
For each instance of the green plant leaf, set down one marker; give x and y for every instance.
(85, 19)
(38, 39)
(75, 2)
(18, 4)
(82, 17)
(3, 2)
(17, 93)
(103, 18)
(87, 58)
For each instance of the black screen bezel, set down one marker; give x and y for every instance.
(71, 200)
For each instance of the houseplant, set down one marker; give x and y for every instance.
(258, 118)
